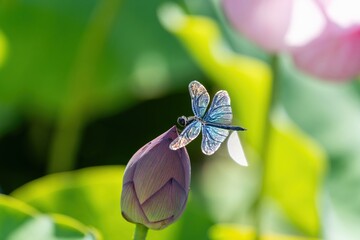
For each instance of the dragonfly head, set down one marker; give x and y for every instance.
(182, 121)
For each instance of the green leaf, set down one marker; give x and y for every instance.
(229, 189)
(247, 80)
(3, 48)
(92, 196)
(9, 118)
(330, 113)
(98, 48)
(78, 61)
(19, 221)
(237, 232)
(294, 173)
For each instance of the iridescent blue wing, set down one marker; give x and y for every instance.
(212, 137)
(220, 110)
(189, 133)
(199, 98)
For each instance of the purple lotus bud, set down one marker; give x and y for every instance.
(156, 183)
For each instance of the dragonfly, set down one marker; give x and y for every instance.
(214, 123)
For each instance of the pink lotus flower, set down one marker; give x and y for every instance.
(323, 36)
(333, 54)
(263, 21)
(156, 183)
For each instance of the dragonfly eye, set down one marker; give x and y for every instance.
(182, 121)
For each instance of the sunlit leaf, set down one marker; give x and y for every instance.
(237, 232)
(92, 196)
(330, 113)
(247, 80)
(294, 173)
(3, 48)
(18, 221)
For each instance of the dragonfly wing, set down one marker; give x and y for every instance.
(212, 137)
(235, 149)
(220, 109)
(199, 98)
(190, 132)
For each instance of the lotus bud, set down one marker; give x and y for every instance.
(156, 183)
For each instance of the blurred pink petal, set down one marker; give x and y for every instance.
(335, 54)
(344, 13)
(322, 35)
(265, 22)
(307, 22)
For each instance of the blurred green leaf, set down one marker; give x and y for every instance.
(247, 79)
(12, 214)
(3, 48)
(62, 42)
(74, 62)
(294, 173)
(229, 189)
(330, 113)
(9, 118)
(237, 232)
(92, 196)
(19, 221)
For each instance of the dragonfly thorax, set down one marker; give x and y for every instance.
(184, 121)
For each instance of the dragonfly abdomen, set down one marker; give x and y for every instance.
(224, 126)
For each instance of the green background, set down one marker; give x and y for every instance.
(86, 83)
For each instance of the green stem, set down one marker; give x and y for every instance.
(76, 108)
(265, 148)
(140, 232)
